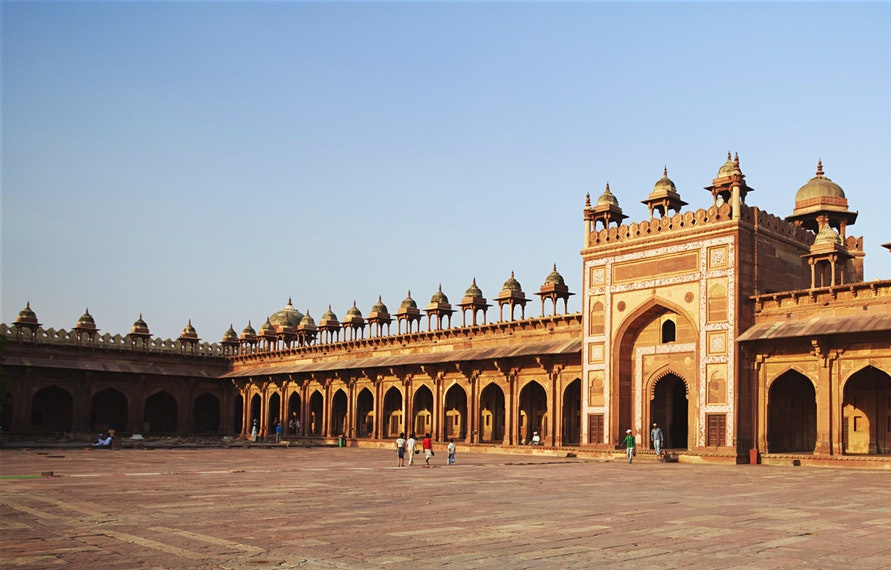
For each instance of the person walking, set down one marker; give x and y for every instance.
(255, 428)
(428, 449)
(656, 438)
(400, 450)
(630, 444)
(410, 449)
(451, 452)
(278, 432)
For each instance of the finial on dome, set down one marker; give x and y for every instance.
(555, 267)
(511, 274)
(820, 167)
(588, 199)
(474, 280)
(736, 159)
(289, 300)
(665, 171)
(728, 156)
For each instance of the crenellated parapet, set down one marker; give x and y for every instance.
(807, 303)
(774, 224)
(109, 341)
(647, 229)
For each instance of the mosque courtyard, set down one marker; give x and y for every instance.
(81, 508)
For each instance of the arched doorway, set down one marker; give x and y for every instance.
(392, 413)
(255, 412)
(533, 413)
(670, 409)
(6, 407)
(239, 413)
(491, 414)
(294, 414)
(160, 413)
(572, 416)
(206, 414)
(455, 412)
(365, 414)
(339, 414)
(866, 412)
(791, 414)
(272, 413)
(108, 409)
(52, 410)
(423, 409)
(316, 409)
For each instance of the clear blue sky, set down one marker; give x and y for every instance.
(208, 160)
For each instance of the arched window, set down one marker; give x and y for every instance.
(669, 332)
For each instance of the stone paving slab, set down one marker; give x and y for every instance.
(330, 508)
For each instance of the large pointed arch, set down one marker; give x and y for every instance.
(532, 414)
(52, 410)
(365, 413)
(108, 410)
(866, 407)
(455, 412)
(492, 413)
(791, 414)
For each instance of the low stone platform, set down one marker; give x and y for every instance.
(261, 507)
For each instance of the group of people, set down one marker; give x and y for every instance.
(630, 442)
(407, 447)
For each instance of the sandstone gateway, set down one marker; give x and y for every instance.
(743, 334)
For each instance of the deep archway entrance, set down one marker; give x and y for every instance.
(572, 402)
(392, 413)
(255, 412)
(206, 414)
(491, 414)
(274, 409)
(670, 409)
(108, 409)
(294, 414)
(339, 414)
(866, 412)
(52, 409)
(791, 414)
(455, 412)
(160, 413)
(423, 410)
(316, 409)
(533, 413)
(365, 414)
(239, 413)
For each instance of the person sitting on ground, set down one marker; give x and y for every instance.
(104, 440)
(536, 440)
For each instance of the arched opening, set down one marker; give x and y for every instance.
(316, 411)
(52, 410)
(160, 413)
(791, 414)
(206, 414)
(423, 409)
(365, 414)
(272, 413)
(455, 412)
(492, 414)
(108, 409)
(239, 413)
(294, 414)
(572, 413)
(670, 409)
(392, 413)
(255, 411)
(339, 414)
(669, 331)
(866, 412)
(533, 412)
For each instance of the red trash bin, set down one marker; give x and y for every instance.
(753, 456)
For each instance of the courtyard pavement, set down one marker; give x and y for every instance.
(332, 508)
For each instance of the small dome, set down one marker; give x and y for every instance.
(328, 316)
(189, 331)
(288, 316)
(828, 235)
(379, 307)
(353, 312)
(267, 327)
(607, 198)
(27, 316)
(86, 321)
(819, 186)
(439, 296)
(248, 330)
(726, 168)
(307, 321)
(473, 291)
(554, 278)
(230, 334)
(511, 284)
(408, 303)
(664, 184)
(139, 327)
